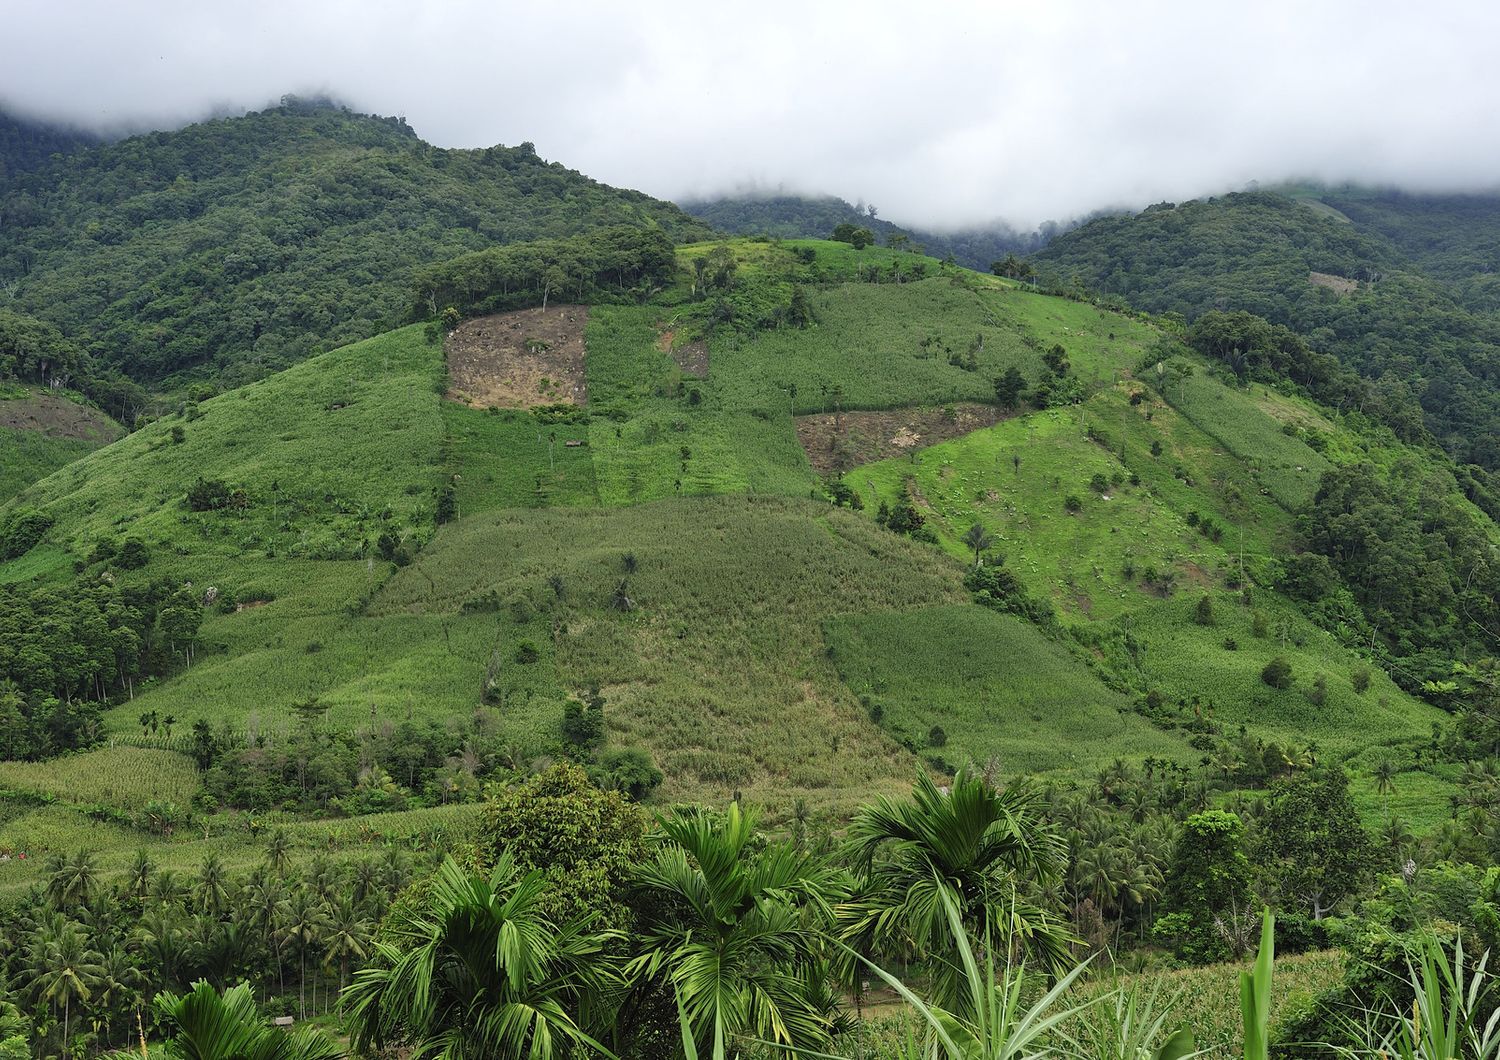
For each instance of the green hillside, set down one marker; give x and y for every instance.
(41, 432)
(1345, 271)
(234, 247)
(776, 524)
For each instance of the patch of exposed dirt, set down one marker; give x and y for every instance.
(691, 357)
(57, 417)
(1339, 285)
(519, 360)
(834, 444)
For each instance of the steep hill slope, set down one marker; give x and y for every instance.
(42, 431)
(234, 247)
(350, 588)
(1345, 286)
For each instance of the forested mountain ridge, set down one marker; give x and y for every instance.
(815, 216)
(27, 145)
(1346, 287)
(233, 247)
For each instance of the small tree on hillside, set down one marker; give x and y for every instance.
(1008, 387)
(1208, 883)
(979, 541)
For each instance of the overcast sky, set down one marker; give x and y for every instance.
(938, 113)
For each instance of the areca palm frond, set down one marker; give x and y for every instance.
(732, 932)
(206, 1025)
(479, 971)
(977, 845)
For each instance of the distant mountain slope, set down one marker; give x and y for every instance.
(815, 216)
(1352, 291)
(236, 246)
(27, 145)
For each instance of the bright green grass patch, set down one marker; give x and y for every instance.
(1283, 463)
(1191, 663)
(672, 444)
(719, 667)
(328, 453)
(237, 840)
(26, 456)
(510, 460)
(357, 670)
(41, 564)
(995, 685)
(1081, 558)
(127, 777)
(868, 343)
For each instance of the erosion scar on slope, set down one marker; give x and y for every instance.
(519, 360)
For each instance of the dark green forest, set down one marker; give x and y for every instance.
(231, 248)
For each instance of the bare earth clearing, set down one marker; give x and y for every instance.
(1340, 285)
(834, 444)
(691, 357)
(57, 417)
(519, 360)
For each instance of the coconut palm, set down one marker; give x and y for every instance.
(63, 970)
(477, 970)
(980, 846)
(729, 931)
(300, 926)
(213, 885)
(206, 1025)
(71, 880)
(347, 935)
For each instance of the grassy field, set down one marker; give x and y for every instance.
(718, 668)
(293, 443)
(128, 777)
(995, 685)
(26, 456)
(1015, 479)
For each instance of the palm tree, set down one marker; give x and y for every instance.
(477, 969)
(348, 935)
(138, 877)
(980, 846)
(119, 984)
(729, 930)
(978, 541)
(63, 970)
(279, 851)
(71, 880)
(1385, 776)
(301, 925)
(206, 1025)
(213, 888)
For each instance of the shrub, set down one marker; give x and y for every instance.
(628, 769)
(1359, 677)
(1072, 505)
(527, 653)
(936, 737)
(1277, 673)
(1203, 614)
(21, 530)
(133, 554)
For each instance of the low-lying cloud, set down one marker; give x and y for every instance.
(942, 115)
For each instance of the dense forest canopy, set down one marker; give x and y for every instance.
(29, 145)
(233, 247)
(1350, 292)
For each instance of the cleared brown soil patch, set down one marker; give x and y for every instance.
(1339, 285)
(57, 417)
(519, 360)
(691, 357)
(834, 444)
